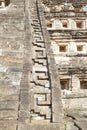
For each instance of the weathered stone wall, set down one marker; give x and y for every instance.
(29, 87)
(68, 40)
(30, 92)
(66, 23)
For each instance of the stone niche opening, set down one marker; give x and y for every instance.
(64, 23)
(63, 48)
(79, 24)
(49, 23)
(79, 47)
(77, 9)
(7, 2)
(83, 84)
(64, 84)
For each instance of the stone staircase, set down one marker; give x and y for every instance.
(32, 96)
(11, 63)
(9, 107)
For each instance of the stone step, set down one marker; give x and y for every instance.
(8, 124)
(40, 126)
(40, 62)
(8, 114)
(39, 36)
(37, 31)
(34, 17)
(40, 57)
(40, 41)
(9, 98)
(36, 20)
(39, 49)
(7, 105)
(37, 28)
(35, 24)
(8, 127)
(38, 44)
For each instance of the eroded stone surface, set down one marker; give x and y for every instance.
(66, 23)
(30, 94)
(29, 87)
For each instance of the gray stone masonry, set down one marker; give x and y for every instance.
(30, 95)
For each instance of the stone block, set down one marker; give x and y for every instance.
(32, 126)
(4, 90)
(6, 105)
(8, 124)
(9, 98)
(8, 114)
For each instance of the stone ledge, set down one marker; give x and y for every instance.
(52, 126)
(79, 95)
